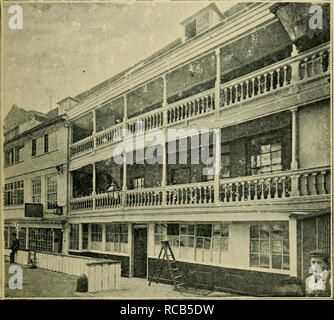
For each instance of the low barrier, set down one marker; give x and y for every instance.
(102, 274)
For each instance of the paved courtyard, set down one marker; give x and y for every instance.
(46, 284)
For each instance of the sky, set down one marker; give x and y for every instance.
(67, 48)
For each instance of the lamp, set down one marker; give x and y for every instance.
(60, 169)
(295, 20)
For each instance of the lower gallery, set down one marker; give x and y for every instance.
(243, 257)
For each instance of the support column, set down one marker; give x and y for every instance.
(27, 238)
(164, 166)
(130, 249)
(89, 236)
(80, 236)
(124, 188)
(294, 159)
(293, 246)
(94, 179)
(103, 237)
(294, 65)
(125, 116)
(217, 165)
(164, 97)
(53, 240)
(94, 127)
(218, 81)
(66, 239)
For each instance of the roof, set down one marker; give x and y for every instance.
(171, 46)
(38, 127)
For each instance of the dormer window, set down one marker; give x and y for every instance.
(201, 21)
(190, 29)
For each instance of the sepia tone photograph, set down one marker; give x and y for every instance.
(166, 150)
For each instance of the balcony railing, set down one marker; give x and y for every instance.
(273, 78)
(191, 107)
(261, 188)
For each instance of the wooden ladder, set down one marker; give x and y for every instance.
(166, 254)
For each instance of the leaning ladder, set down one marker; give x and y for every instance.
(166, 254)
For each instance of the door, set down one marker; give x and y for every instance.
(139, 252)
(58, 240)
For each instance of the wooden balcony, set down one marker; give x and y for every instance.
(294, 70)
(263, 188)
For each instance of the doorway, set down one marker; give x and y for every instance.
(140, 252)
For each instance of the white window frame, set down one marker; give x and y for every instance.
(52, 192)
(36, 190)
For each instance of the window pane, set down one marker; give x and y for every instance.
(225, 231)
(286, 263)
(264, 261)
(199, 242)
(224, 244)
(264, 231)
(276, 146)
(255, 231)
(254, 260)
(216, 243)
(286, 248)
(216, 230)
(255, 246)
(265, 159)
(265, 148)
(277, 247)
(277, 262)
(264, 246)
(277, 231)
(183, 241)
(191, 229)
(191, 242)
(207, 243)
(276, 157)
(183, 229)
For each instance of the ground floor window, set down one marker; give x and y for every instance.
(96, 237)
(269, 245)
(6, 238)
(194, 242)
(40, 239)
(74, 237)
(117, 237)
(22, 238)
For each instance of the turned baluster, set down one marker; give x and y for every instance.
(246, 90)
(306, 183)
(242, 198)
(314, 183)
(312, 71)
(322, 179)
(278, 70)
(225, 100)
(271, 85)
(306, 67)
(285, 76)
(259, 89)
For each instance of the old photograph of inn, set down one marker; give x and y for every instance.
(202, 168)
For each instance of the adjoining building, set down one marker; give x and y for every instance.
(35, 179)
(260, 76)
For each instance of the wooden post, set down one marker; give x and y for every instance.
(103, 237)
(217, 165)
(294, 65)
(80, 236)
(218, 81)
(164, 98)
(293, 246)
(294, 160)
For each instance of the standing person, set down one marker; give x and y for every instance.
(318, 283)
(14, 247)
